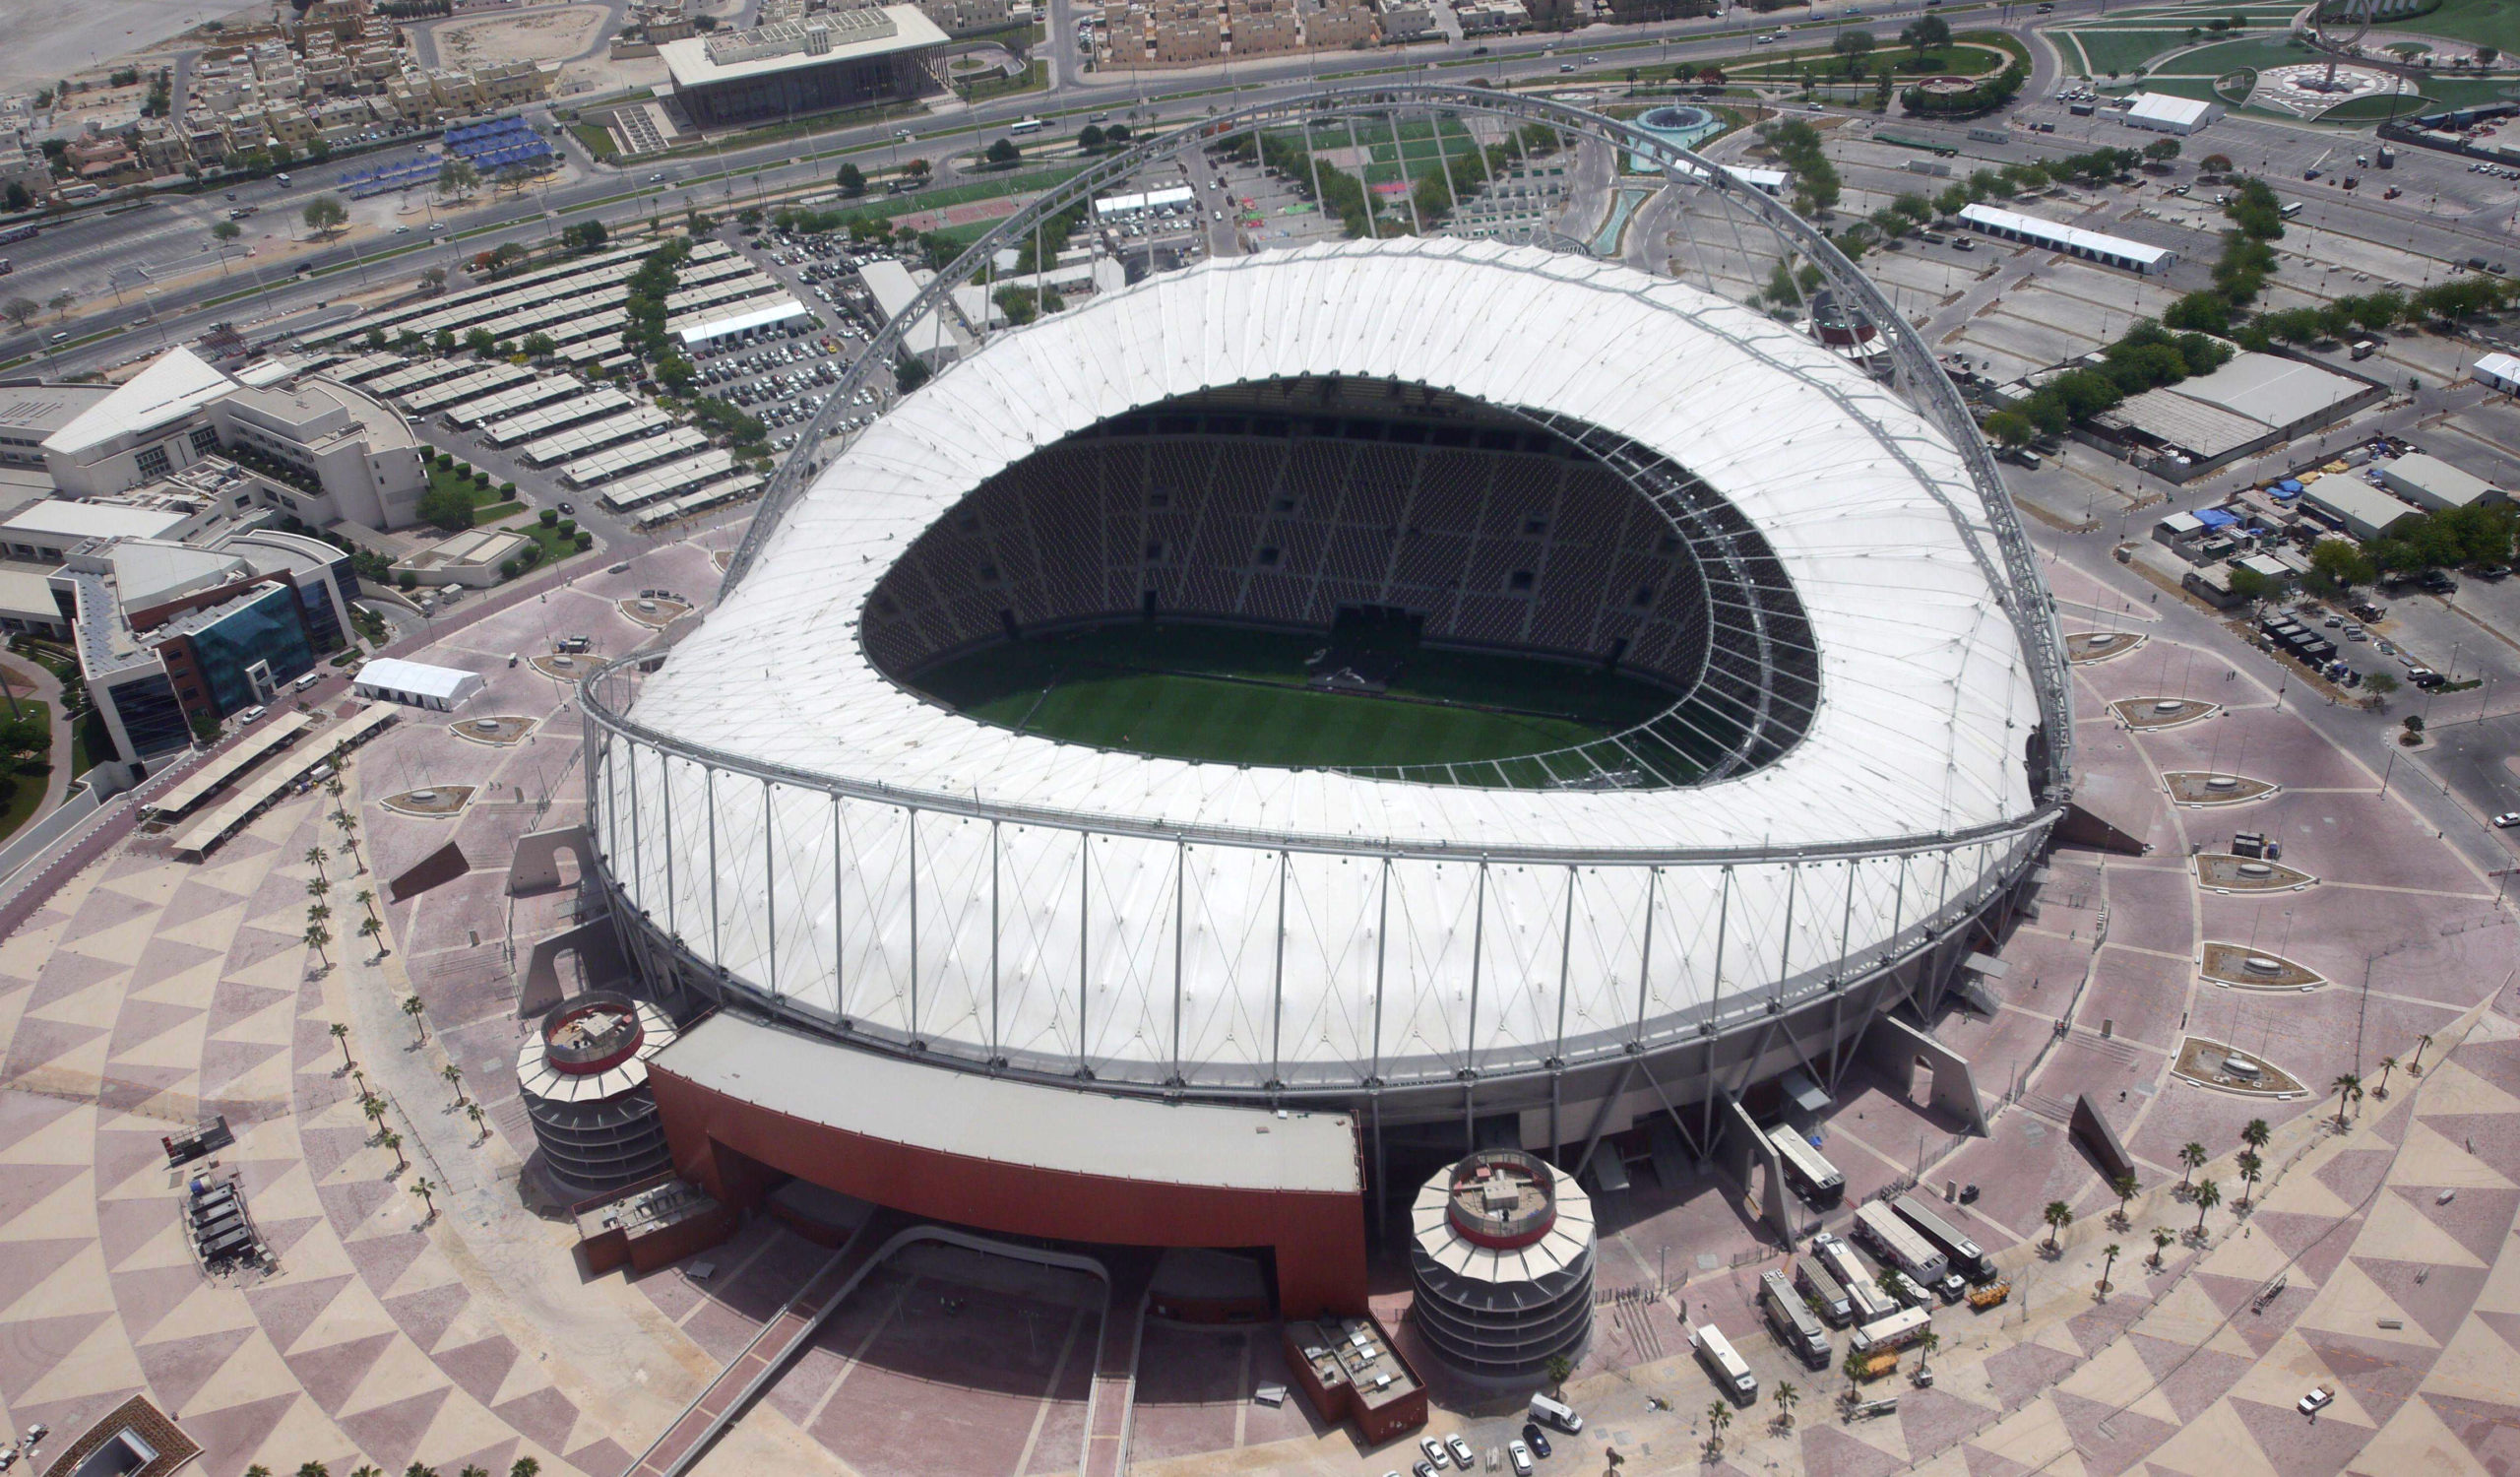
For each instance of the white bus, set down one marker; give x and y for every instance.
(1813, 1176)
(1967, 1258)
(1870, 1300)
(1026, 125)
(1896, 1332)
(1731, 1372)
(1903, 1247)
(1794, 1325)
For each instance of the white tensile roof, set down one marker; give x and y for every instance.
(2161, 107)
(1924, 698)
(398, 676)
(891, 910)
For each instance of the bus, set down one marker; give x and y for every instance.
(22, 232)
(1731, 1375)
(2291, 209)
(1793, 1324)
(1870, 1300)
(1899, 1245)
(1813, 1178)
(1026, 125)
(1815, 1279)
(1966, 1258)
(1896, 1332)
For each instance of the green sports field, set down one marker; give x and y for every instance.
(1235, 697)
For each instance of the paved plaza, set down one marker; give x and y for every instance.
(143, 992)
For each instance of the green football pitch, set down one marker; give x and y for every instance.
(1234, 696)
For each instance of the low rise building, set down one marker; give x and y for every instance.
(830, 60)
(470, 559)
(2434, 485)
(2353, 507)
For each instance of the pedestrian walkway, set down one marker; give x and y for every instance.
(1116, 1366)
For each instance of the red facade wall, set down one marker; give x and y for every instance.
(1319, 1239)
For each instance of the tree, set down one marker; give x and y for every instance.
(2380, 683)
(325, 213)
(2248, 584)
(1926, 1343)
(432, 282)
(63, 302)
(2059, 1215)
(1853, 46)
(2251, 1167)
(1089, 138)
(2208, 1195)
(412, 1007)
(21, 310)
(18, 198)
(2339, 565)
(481, 342)
(315, 938)
(525, 1466)
(2216, 164)
(2349, 1091)
(586, 235)
(2388, 1064)
(393, 1140)
(2414, 1067)
(507, 258)
(912, 373)
(313, 1469)
(226, 231)
(1785, 1398)
(1932, 33)
(2011, 428)
(341, 1034)
(540, 345)
(1719, 1415)
(2126, 1188)
(454, 1077)
(2162, 1236)
(2256, 1134)
(852, 181)
(373, 930)
(2162, 151)
(1003, 153)
(446, 507)
(2191, 1158)
(427, 1193)
(2107, 1263)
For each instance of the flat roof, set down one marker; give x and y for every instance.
(177, 384)
(248, 752)
(777, 311)
(24, 594)
(46, 409)
(691, 63)
(1021, 1125)
(2359, 501)
(2271, 389)
(413, 676)
(68, 518)
(2498, 365)
(2438, 479)
(2063, 235)
(895, 287)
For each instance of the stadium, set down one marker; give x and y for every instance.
(1275, 693)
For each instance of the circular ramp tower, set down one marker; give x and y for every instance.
(585, 1081)
(1501, 1258)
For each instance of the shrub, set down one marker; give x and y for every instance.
(532, 554)
(480, 478)
(585, 540)
(549, 516)
(507, 492)
(568, 527)
(408, 581)
(509, 569)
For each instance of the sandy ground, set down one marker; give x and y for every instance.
(41, 42)
(553, 35)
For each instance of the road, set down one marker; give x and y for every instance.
(100, 257)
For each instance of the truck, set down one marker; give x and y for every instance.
(1896, 1332)
(1870, 1301)
(1547, 1412)
(1966, 1256)
(1991, 1295)
(1898, 1245)
(1813, 1176)
(1731, 1373)
(1823, 1290)
(1791, 1320)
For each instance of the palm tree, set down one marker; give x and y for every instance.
(313, 1469)
(315, 858)
(2126, 1188)
(2349, 1091)
(1926, 1343)
(1786, 1395)
(419, 1469)
(2191, 1158)
(2388, 1064)
(2059, 1215)
(2208, 1195)
(2414, 1069)
(349, 839)
(372, 928)
(2256, 1134)
(427, 1193)
(366, 898)
(454, 1077)
(2107, 1263)
(412, 1007)
(368, 1469)
(373, 1106)
(2251, 1167)
(316, 938)
(317, 912)
(481, 1122)
(341, 1034)
(1718, 1416)
(2162, 1236)
(1559, 1370)
(317, 885)
(524, 1466)
(393, 1140)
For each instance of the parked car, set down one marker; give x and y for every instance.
(1460, 1450)
(2506, 820)
(2316, 1400)
(1435, 1455)
(1536, 1438)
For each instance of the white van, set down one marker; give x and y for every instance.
(1557, 1413)
(308, 681)
(1731, 1373)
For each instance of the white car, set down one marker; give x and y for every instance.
(1522, 1458)
(253, 714)
(1460, 1449)
(2506, 820)
(1435, 1456)
(2316, 1400)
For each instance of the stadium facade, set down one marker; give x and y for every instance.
(1528, 452)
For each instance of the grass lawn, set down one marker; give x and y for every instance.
(2484, 23)
(2234, 56)
(555, 545)
(2380, 109)
(26, 787)
(2107, 52)
(598, 139)
(1036, 77)
(1230, 696)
